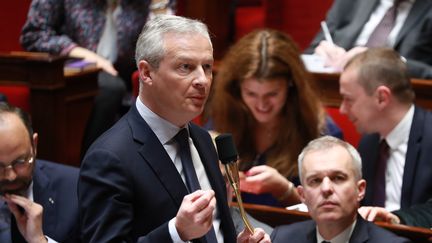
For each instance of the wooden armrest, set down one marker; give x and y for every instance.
(274, 216)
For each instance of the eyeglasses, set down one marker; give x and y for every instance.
(17, 165)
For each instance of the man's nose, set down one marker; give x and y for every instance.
(9, 173)
(327, 186)
(202, 78)
(342, 108)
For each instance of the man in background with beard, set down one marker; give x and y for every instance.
(33, 190)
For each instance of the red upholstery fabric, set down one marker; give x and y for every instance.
(135, 83)
(248, 19)
(349, 131)
(17, 95)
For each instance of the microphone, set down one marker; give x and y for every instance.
(228, 155)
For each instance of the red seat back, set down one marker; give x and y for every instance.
(17, 95)
(349, 131)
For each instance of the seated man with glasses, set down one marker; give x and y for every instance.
(39, 198)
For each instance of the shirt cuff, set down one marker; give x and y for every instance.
(173, 232)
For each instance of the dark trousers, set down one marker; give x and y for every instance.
(106, 109)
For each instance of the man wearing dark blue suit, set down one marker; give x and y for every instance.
(352, 22)
(131, 186)
(332, 188)
(378, 99)
(41, 195)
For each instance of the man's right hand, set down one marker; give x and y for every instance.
(28, 216)
(378, 214)
(195, 216)
(330, 52)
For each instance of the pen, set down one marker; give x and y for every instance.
(326, 32)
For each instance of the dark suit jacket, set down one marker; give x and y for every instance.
(129, 187)
(416, 186)
(346, 19)
(419, 215)
(54, 187)
(305, 232)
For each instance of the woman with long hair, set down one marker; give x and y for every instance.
(265, 97)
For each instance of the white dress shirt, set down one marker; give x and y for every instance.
(342, 237)
(397, 140)
(165, 132)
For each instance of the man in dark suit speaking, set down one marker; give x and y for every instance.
(39, 201)
(332, 188)
(154, 176)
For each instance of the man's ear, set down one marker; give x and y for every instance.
(35, 142)
(145, 70)
(300, 191)
(361, 187)
(383, 96)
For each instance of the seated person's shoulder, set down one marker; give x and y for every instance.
(296, 232)
(378, 234)
(57, 169)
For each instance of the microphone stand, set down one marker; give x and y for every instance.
(233, 177)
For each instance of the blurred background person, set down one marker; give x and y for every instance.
(355, 25)
(264, 96)
(99, 31)
(419, 215)
(39, 197)
(396, 146)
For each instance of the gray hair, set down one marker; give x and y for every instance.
(326, 143)
(150, 44)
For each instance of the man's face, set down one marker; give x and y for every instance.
(329, 188)
(179, 88)
(264, 99)
(15, 147)
(360, 107)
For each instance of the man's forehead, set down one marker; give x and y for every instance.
(328, 159)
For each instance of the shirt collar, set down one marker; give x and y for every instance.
(400, 134)
(163, 129)
(342, 237)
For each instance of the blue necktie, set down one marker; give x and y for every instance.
(182, 138)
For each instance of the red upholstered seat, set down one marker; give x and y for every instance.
(349, 131)
(17, 95)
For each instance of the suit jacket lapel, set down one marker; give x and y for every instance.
(418, 10)
(45, 197)
(208, 157)
(156, 156)
(411, 160)
(360, 233)
(359, 19)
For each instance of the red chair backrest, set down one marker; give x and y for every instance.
(349, 131)
(17, 95)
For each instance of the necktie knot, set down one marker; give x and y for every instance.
(182, 138)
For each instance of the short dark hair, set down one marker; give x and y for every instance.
(383, 66)
(24, 117)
